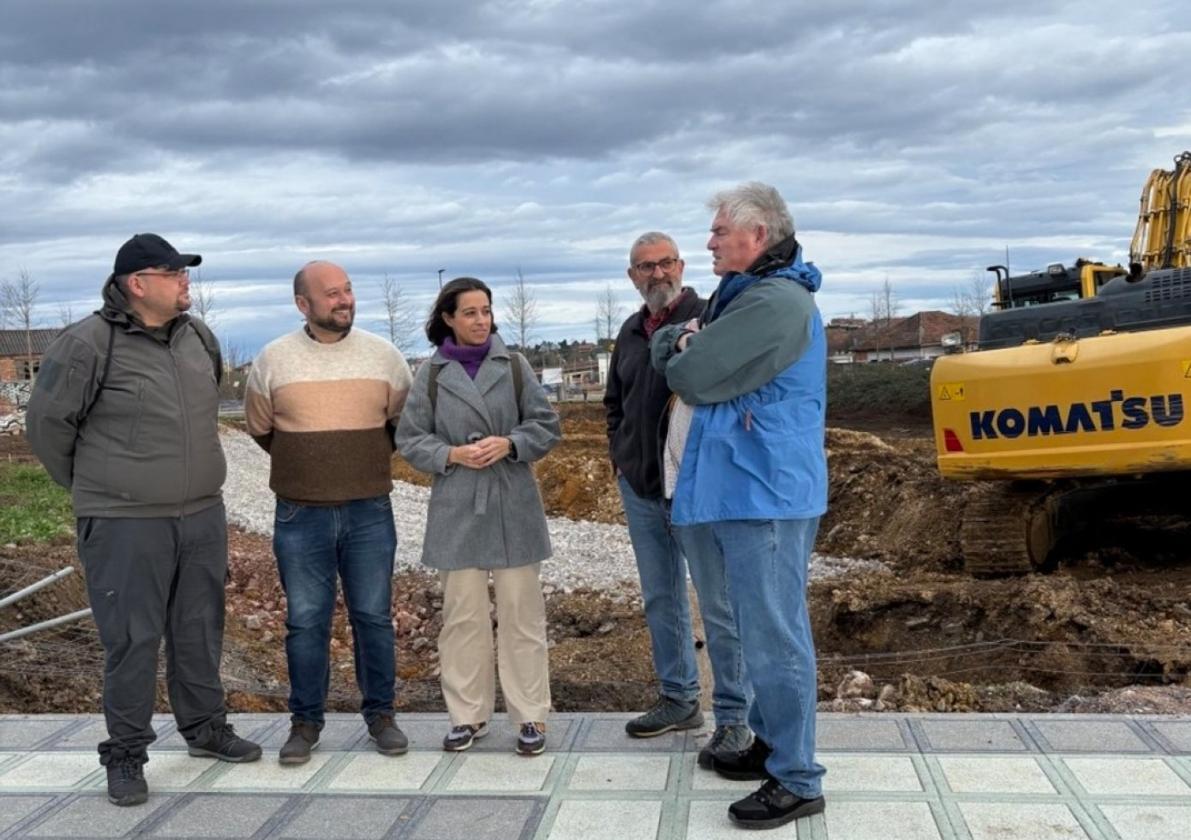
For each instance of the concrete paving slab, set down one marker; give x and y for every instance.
(1094, 736)
(269, 775)
(1175, 734)
(460, 818)
(175, 770)
(337, 734)
(376, 772)
(50, 771)
(709, 821)
(13, 809)
(608, 735)
(86, 737)
(602, 820)
(476, 772)
(348, 817)
(254, 727)
(1019, 821)
(1149, 822)
(995, 775)
(237, 816)
(427, 734)
(24, 733)
(969, 735)
(621, 772)
(873, 773)
(94, 816)
(1127, 777)
(856, 733)
(881, 821)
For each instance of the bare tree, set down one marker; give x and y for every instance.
(398, 318)
(18, 298)
(522, 311)
(975, 299)
(234, 383)
(66, 314)
(202, 298)
(607, 314)
(885, 304)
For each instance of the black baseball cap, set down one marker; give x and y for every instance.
(148, 250)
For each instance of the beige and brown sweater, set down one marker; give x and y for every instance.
(325, 413)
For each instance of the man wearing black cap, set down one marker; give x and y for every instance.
(124, 415)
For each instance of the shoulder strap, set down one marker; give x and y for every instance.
(103, 376)
(518, 385)
(211, 345)
(432, 386)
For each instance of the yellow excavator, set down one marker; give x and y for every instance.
(1073, 406)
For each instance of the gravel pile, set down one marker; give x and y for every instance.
(586, 554)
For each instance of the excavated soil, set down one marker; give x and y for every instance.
(1108, 631)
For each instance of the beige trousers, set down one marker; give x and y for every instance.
(465, 645)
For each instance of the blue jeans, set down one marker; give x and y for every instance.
(660, 550)
(355, 541)
(766, 562)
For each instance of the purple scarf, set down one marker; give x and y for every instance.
(469, 356)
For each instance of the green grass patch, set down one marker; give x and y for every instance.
(32, 507)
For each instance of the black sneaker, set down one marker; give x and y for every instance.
(725, 741)
(772, 805)
(126, 780)
(743, 766)
(303, 737)
(532, 740)
(666, 715)
(461, 737)
(389, 738)
(223, 743)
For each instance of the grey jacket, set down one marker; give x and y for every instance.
(150, 445)
(490, 518)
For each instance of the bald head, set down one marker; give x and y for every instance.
(323, 293)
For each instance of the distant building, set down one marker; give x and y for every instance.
(918, 336)
(20, 358)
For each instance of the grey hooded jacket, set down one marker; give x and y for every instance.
(147, 444)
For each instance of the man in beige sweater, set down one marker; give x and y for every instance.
(323, 402)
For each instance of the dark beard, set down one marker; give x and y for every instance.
(330, 326)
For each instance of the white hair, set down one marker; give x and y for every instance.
(753, 204)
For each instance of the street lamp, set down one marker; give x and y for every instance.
(440, 271)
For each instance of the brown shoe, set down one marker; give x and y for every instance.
(303, 737)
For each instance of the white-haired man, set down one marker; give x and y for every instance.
(752, 478)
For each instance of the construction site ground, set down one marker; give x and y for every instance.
(1107, 632)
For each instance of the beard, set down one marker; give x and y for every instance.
(330, 324)
(661, 294)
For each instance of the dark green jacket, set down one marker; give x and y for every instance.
(147, 444)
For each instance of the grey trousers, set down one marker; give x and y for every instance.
(150, 579)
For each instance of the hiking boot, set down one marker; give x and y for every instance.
(745, 765)
(461, 737)
(303, 737)
(390, 740)
(667, 714)
(772, 805)
(726, 740)
(223, 743)
(532, 740)
(126, 780)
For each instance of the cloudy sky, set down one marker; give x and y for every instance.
(914, 141)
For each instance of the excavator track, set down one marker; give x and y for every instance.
(1007, 530)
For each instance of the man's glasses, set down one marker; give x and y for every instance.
(176, 274)
(665, 265)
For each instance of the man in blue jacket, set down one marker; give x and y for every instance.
(752, 478)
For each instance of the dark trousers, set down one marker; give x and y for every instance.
(150, 579)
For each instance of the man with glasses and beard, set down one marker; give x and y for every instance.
(124, 415)
(323, 402)
(638, 402)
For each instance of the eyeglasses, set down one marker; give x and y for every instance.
(665, 265)
(176, 274)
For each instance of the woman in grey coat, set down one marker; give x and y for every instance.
(476, 424)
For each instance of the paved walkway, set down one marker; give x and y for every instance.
(890, 777)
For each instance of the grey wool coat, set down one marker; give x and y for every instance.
(490, 518)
